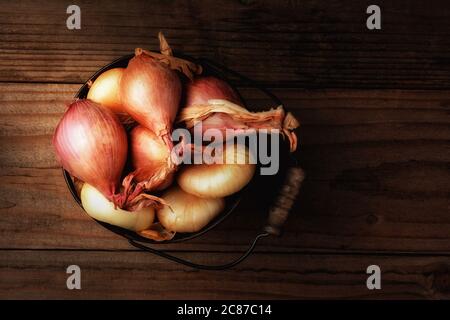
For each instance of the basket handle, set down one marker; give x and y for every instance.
(278, 214)
(279, 211)
(196, 265)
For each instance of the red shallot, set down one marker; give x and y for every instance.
(150, 93)
(213, 102)
(91, 144)
(150, 89)
(205, 88)
(151, 159)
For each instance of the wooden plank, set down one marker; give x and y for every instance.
(295, 43)
(377, 166)
(136, 275)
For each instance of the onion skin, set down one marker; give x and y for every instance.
(150, 92)
(217, 180)
(100, 208)
(205, 88)
(92, 145)
(150, 157)
(188, 213)
(105, 89)
(223, 114)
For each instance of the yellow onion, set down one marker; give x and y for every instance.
(100, 208)
(219, 180)
(188, 213)
(105, 89)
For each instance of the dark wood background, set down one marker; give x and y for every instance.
(374, 141)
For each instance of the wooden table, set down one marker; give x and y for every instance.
(374, 142)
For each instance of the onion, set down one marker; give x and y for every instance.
(105, 89)
(150, 89)
(219, 180)
(150, 92)
(188, 213)
(150, 158)
(203, 89)
(100, 208)
(91, 144)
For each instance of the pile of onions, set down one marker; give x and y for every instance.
(150, 92)
(92, 144)
(199, 198)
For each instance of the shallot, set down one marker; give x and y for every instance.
(205, 88)
(105, 89)
(188, 213)
(218, 180)
(100, 208)
(91, 144)
(150, 89)
(151, 159)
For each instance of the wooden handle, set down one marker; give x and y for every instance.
(279, 212)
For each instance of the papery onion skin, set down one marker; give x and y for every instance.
(218, 180)
(105, 89)
(188, 213)
(223, 114)
(100, 208)
(150, 157)
(204, 88)
(91, 144)
(150, 92)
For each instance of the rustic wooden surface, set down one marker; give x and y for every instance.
(375, 140)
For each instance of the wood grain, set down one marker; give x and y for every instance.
(137, 275)
(377, 165)
(374, 142)
(308, 44)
